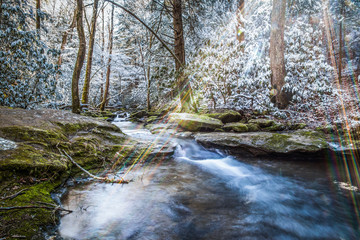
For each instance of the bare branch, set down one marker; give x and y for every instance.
(152, 31)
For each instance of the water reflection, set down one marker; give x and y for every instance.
(206, 194)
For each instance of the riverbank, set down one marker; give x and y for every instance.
(32, 165)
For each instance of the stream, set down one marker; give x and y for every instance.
(206, 194)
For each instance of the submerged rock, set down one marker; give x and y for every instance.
(194, 122)
(265, 143)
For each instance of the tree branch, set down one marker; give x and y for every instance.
(152, 31)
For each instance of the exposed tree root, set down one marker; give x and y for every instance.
(54, 208)
(14, 195)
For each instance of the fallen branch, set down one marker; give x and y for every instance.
(105, 179)
(14, 195)
(56, 208)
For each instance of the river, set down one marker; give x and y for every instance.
(206, 194)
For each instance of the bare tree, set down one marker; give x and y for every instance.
(37, 14)
(240, 34)
(277, 58)
(65, 39)
(108, 72)
(86, 88)
(179, 43)
(80, 58)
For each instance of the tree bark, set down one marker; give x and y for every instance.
(86, 88)
(64, 39)
(37, 15)
(102, 47)
(80, 58)
(277, 49)
(341, 40)
(184, 88)
(240, 34)
(108, 72)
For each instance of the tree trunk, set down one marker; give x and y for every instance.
(277, 49)
(148, 89)
(86, 88)
(341, 41)
(108, 72)
(1, 2)
(37, 15)
(64, 40)
(240, 34)
(102, 45)
(80, 58)
(184, 88)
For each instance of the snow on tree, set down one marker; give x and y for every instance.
(27, 71)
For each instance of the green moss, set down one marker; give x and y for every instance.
(297, 126)
(325, 129)
(275, 127)
(279, 142)
(27, 159)
(151, 119)
(226, 117)
(28, 222)
(103, 118)
(72, 128)
(252, 127)
(195, 122)
(31, 134)
(263, 123)
(311, 134)
(236, 127)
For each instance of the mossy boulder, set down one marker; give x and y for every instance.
(139, 114)
(226, 117)
(252, 127)
(236, 127)
(195, 122)
(275, 127)
(265, 143)
(297, 126)
(262, 123)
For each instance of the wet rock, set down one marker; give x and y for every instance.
(194, 122)
(265, 143)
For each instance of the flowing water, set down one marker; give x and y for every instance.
(206, 194)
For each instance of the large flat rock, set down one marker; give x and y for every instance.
(266, 143)
(194, 122)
